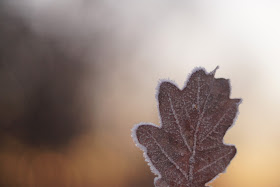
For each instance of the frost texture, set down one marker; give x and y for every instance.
(187, 150)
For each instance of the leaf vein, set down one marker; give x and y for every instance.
(214, 128)
(214, 162)
(201, 115)
(178, 124)
(169, 158)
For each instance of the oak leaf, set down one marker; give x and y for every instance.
(187, 149)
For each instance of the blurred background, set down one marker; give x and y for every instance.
(76, 75)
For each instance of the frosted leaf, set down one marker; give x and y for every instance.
(187, 150)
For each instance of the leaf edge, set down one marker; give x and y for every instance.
(144, 149)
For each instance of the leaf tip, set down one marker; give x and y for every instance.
(214, 71)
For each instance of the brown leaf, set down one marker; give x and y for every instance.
(187, 150)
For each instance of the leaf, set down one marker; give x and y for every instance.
(187, 150)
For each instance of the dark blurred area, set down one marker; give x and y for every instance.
(41, 101)
(50, 76)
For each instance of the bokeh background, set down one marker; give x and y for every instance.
(76, 75)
